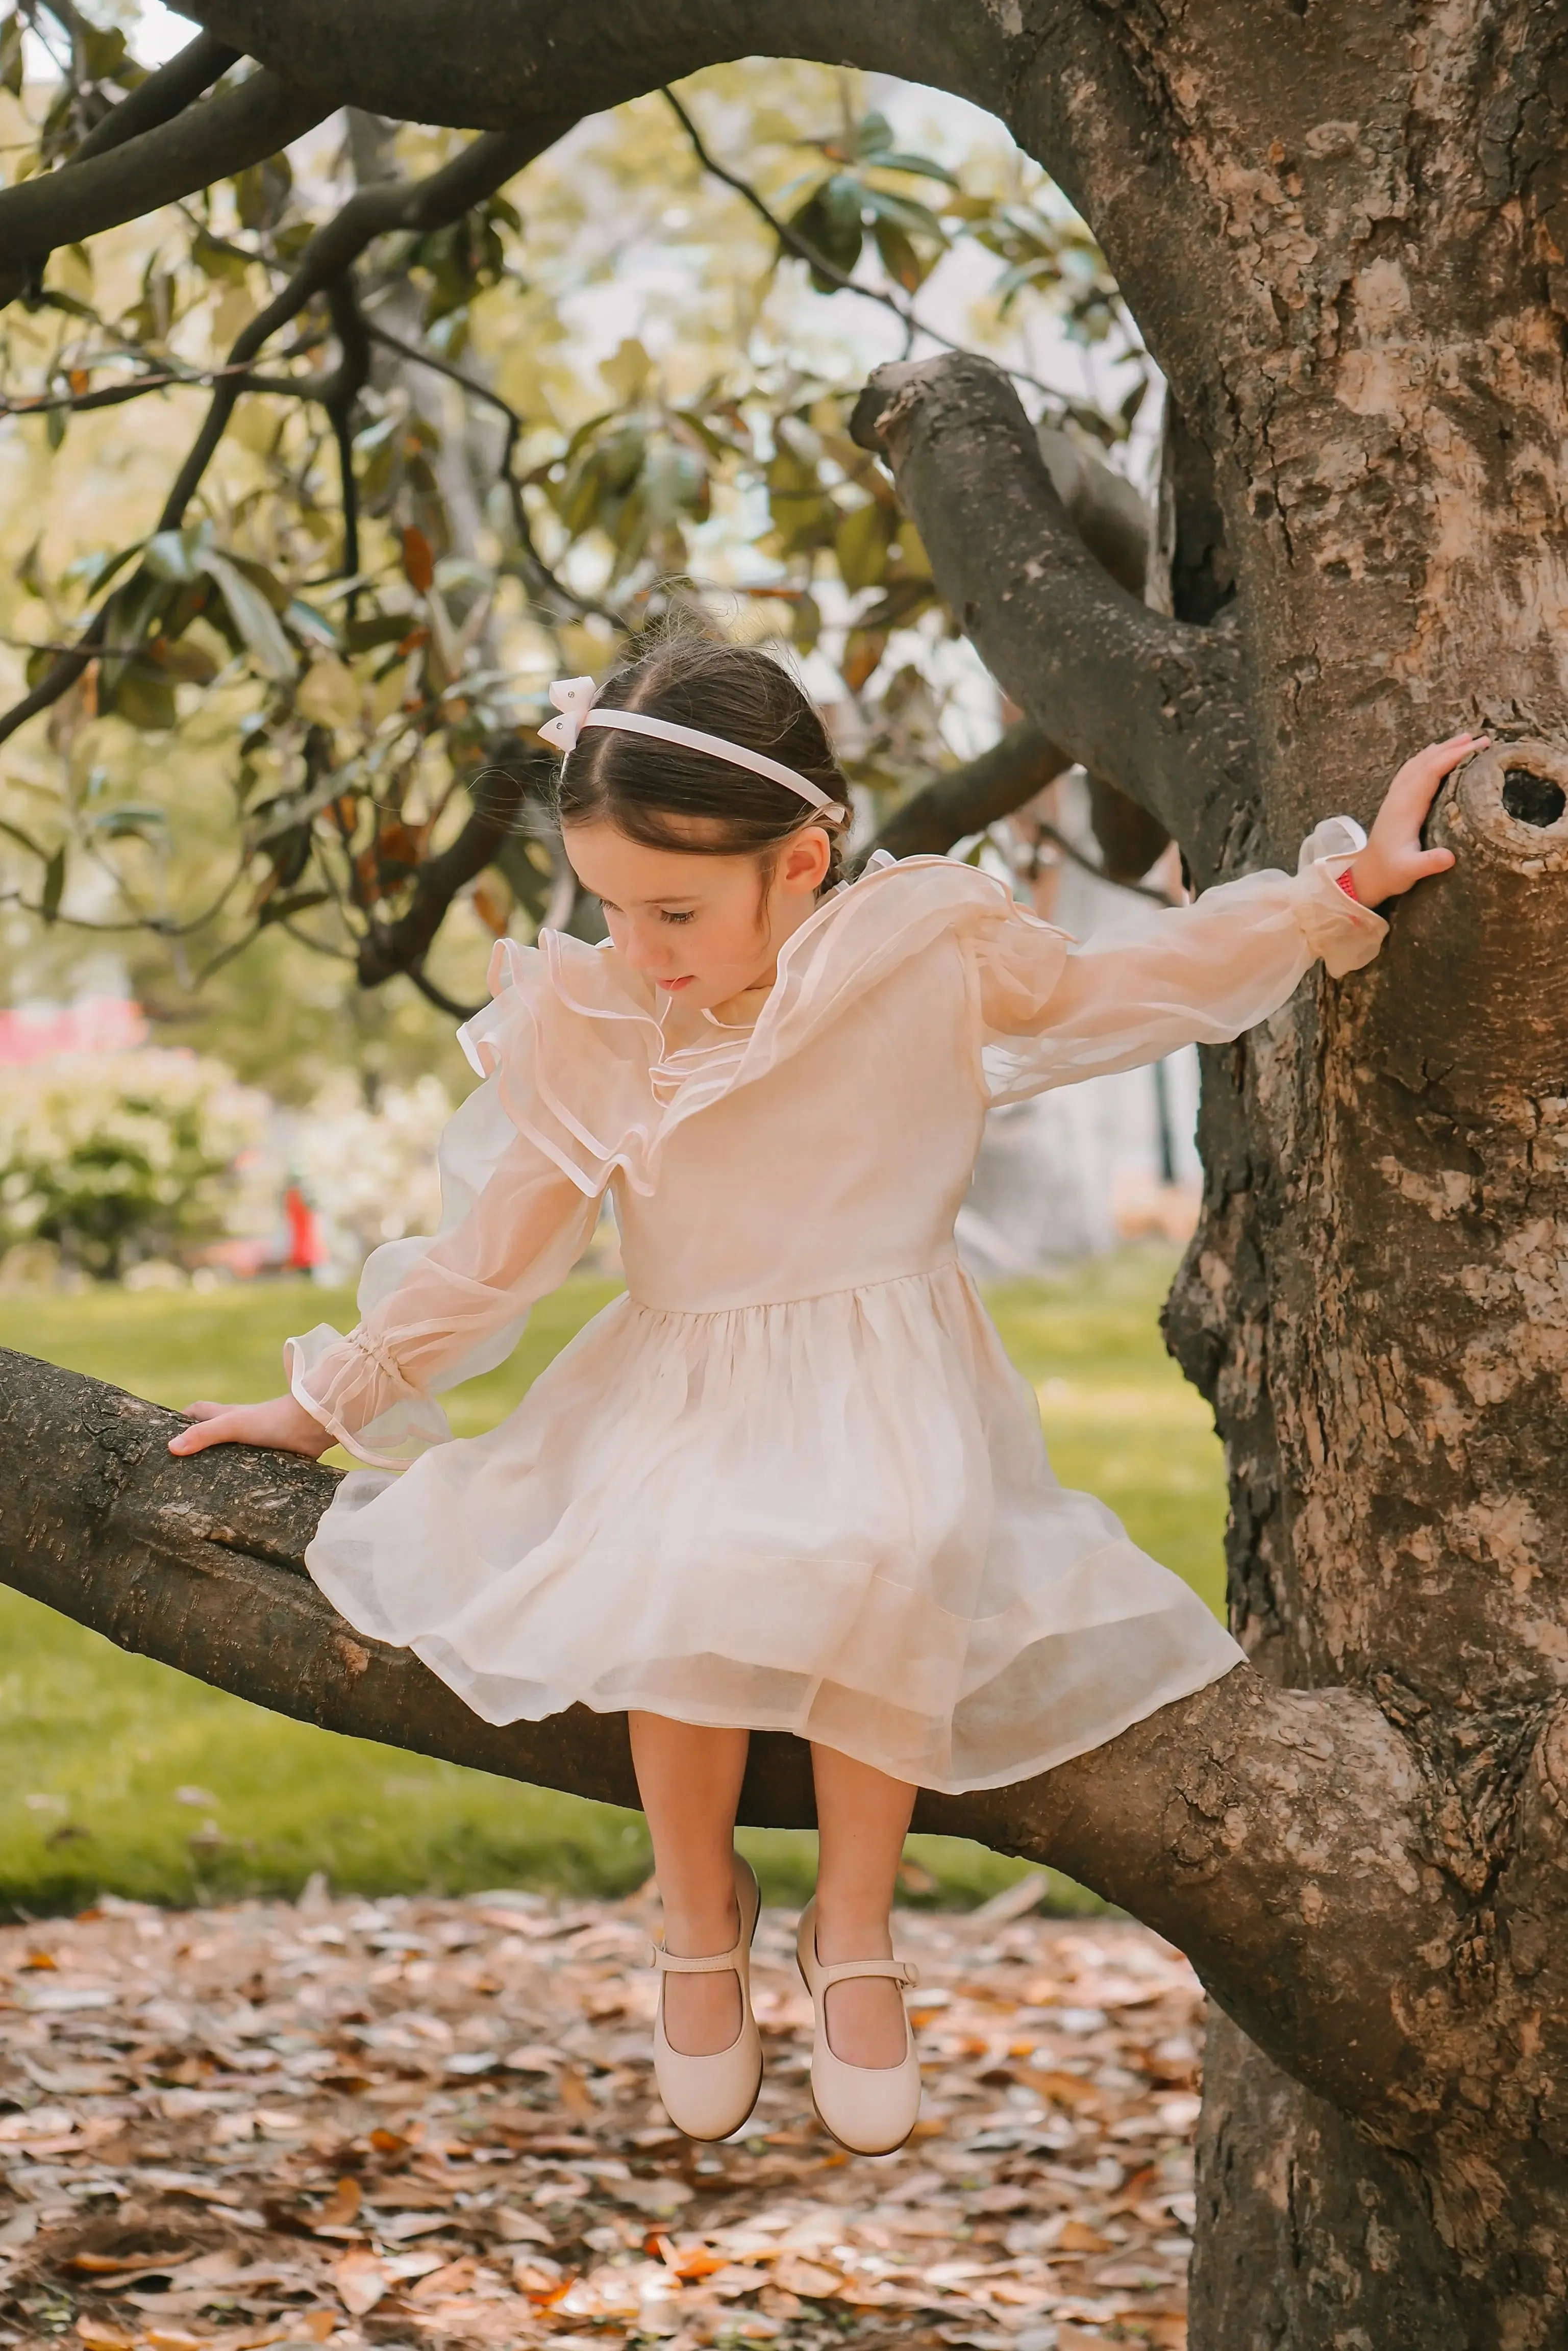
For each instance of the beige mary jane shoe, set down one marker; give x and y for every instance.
(710, 2097)
(870, 2109)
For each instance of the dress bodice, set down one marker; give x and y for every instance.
(825, 1148)
(800, 1183)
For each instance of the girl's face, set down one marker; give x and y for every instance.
(701, 929)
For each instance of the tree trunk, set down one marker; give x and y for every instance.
(1343, 230)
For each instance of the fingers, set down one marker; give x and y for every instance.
(1426, 770)
(217, 1427)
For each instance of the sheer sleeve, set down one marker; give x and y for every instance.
(1054, 1010)
(435, 1311)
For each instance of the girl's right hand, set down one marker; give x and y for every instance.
(282, 1424)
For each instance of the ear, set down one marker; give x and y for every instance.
(805, 859)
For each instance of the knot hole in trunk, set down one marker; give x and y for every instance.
(1511, 802)
(1532, 798)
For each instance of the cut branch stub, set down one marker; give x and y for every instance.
(1503, 909)
(1151, 705)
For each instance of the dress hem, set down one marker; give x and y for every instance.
(1048, 1760)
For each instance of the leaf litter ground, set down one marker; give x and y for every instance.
(426, 2123)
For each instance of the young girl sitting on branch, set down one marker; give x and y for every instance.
(789, 1479)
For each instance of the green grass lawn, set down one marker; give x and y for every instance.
(119, 1775)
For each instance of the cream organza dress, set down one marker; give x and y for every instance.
(789, 1479)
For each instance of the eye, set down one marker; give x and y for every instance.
(688, 916)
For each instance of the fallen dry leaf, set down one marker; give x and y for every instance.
(433, 2122)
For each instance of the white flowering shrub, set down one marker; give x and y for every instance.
(370, 1174)
(120, 1157)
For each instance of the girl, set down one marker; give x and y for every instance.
(789, 1479)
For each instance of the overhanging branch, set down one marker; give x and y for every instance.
(482, 167)
(1274, 1834)
(201, 144)
(165, 93)
(1151, 705)
(964, 800)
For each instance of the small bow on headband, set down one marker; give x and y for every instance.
(573, 697)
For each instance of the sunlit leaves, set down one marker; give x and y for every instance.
(359, 708)
(262, 192)
(328, 694)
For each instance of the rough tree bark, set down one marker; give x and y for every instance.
(1343, 230)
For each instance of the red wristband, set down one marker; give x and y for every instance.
(1346, 881)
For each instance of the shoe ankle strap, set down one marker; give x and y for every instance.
(668, 1964)
(899, 1971)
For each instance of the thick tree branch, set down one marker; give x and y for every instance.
(204, 143)
(965, 799)
(163, 94)
(1274, 1834)
(1073, 82)
(1151, 705)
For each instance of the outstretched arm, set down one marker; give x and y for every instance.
(1143, 987)
(430, 1312)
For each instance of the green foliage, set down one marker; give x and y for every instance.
(106, 1742)
(384, 563)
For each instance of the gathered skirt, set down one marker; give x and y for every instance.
(834, 1517)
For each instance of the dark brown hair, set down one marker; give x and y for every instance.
(668, 798)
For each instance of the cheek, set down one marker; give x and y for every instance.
(728, 936)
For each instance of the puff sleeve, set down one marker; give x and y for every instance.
(433, 1312)
(1054, 1010)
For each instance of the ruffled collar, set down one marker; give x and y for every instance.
(580, 1022)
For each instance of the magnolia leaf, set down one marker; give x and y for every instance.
(861, 544)
(54, 885)
(418, 562)
(899, 258)
(864, 649)
(328, 694)
(306, 621)
(254, 617)
(11, 55)
(182, 663)
(627, 370)
(919, 167)
(903, 211)
(299, 902)
(831, 223)
(144, 699)
(180, 555)
(142, 824)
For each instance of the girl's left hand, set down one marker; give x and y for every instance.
(1393, 859)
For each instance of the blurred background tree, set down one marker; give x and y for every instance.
(317, 478)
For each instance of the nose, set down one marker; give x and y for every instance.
(645, 951)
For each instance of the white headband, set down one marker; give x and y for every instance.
(573, 697)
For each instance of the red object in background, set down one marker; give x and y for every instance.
(307, 1249)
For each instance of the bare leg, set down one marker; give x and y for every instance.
(689, 1779)
(861, 1820)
